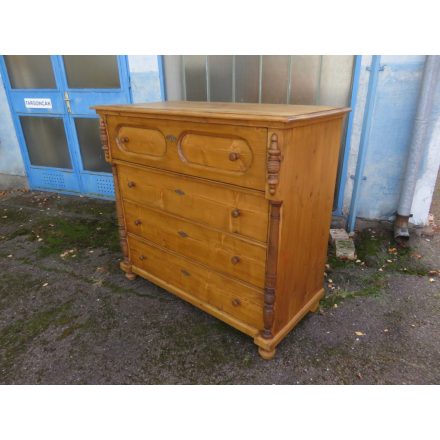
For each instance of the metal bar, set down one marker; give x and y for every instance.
(353, 101)
(208, 88)
(260, 78)
(233, 78)
(289, 80)
(183, 78)
(365, 137)
(318, 85)
(160, 63)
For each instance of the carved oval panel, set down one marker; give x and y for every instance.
(141, 141)
(223, 153)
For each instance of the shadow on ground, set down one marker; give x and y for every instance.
(69, 316)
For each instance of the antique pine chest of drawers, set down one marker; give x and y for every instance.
(228, 206)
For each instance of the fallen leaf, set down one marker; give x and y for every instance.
(359, 334)
(45, 284)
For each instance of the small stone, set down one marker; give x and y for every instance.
(45, 284)
(345, 249)
(431, 280)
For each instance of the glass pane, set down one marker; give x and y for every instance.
(247, 74)
(220, 77)
(46, 141)
(173, 77)
(92, 71)
(275, 79)
(30, 71)
(195, 77)
(335, 81)
(87, 130)
(305, 73)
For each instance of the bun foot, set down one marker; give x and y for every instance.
(266, 354)
(130, 275)
(315, 308)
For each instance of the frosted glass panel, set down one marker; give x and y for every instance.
(87, 130)
(247, 78)
(46, 141)
(30, 71)
(173, 77)
(275, 79)
(305, 73)
(220, 77)
(336, 73)
(92, 71)
(195, 77)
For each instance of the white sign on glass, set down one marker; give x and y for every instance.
(38, 102)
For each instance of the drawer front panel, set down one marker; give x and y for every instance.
(218, 206)
(231, 154)
(232, 297)
(222, 252)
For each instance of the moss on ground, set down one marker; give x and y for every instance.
(17, 337)
(60, 234)
(378, 255)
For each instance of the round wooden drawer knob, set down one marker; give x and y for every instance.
(234, 156)
(131, 184)
(235, 259)
(137, 222)
(142, 257)
(236, 302)
(123, 139)
(235, 213)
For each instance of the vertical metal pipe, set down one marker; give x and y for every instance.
(431, 73)
(365, 136)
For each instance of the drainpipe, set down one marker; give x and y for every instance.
(365, 136)
(417, 147)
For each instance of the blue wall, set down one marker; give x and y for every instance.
(392, 121)
(12, 171)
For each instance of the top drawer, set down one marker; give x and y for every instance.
(225, 153)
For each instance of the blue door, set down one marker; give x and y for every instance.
(50, 98)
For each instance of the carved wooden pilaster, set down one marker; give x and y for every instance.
(273, 164)
(126, 264)
(104, 139)
(271, 268)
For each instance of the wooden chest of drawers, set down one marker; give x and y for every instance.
(227, 206)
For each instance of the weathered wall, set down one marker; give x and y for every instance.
(12, 171)
(392, 121)
(145, 78)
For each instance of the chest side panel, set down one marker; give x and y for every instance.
(307, 181)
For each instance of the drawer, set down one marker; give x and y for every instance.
(221, 251)
(219, 206)
(237, 299)
(231, 154)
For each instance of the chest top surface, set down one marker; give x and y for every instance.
(278, 113)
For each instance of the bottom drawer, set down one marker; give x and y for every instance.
(237, 299)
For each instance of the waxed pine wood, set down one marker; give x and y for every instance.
(227, 206)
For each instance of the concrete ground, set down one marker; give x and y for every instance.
(69, 316)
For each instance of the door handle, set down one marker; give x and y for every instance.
(67, 101)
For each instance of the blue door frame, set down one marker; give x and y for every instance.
(76, 180)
